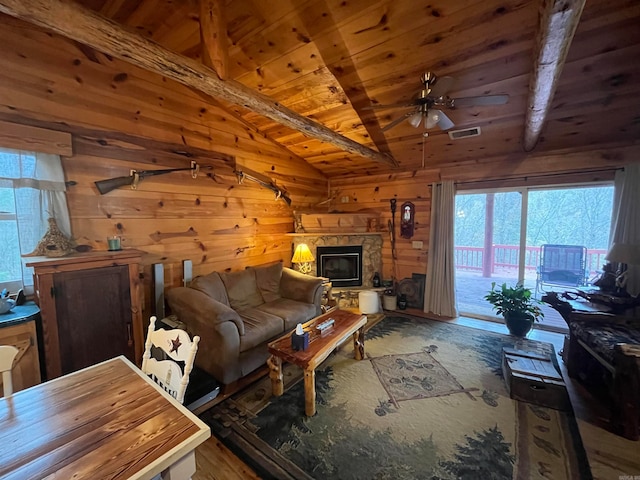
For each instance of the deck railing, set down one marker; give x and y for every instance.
(505, 257)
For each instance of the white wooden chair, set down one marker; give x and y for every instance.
(176, 345)
(7, 355)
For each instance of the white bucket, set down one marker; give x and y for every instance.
(368, 302)
(390, 302)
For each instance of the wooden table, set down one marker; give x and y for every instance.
(107, 421)
(320, 346)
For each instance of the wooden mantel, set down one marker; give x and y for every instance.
(333, 234)
(337, 223)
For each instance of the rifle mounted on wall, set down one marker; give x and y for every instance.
(105, 186)
(243, 175)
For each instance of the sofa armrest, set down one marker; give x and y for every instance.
(303, 288)
(194, 307)
(219, 328)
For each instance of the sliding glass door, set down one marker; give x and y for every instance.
(487, 239)
(500, 237)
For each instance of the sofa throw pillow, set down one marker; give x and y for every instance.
(268, 280)
(212, 286)
(242, 289)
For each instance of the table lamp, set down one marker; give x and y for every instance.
(623, 254)
(303, 258)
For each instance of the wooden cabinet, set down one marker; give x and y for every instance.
(91, 309)
(18, 328)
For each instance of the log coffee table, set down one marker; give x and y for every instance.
(320, 346)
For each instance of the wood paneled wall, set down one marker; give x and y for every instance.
(123, 118)
(374, 192)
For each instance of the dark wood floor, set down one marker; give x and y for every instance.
(611, 457)
(471, 287)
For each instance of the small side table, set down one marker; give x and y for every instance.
(20, 328)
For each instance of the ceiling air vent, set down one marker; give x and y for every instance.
(467, 132)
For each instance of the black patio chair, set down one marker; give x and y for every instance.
(562, 266)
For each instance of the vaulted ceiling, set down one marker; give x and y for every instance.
(331, 61)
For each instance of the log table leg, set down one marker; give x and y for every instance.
(358, 344)
(275, 373)
(310, 392)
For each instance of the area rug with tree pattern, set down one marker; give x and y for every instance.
(428, 402)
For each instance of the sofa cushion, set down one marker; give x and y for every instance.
(291, 311)
(259, 327)
(268, 280)
(242, 289)
(212, 286)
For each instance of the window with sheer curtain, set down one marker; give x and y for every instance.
(31, 191)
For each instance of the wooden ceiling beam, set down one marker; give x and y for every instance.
(213, 37)
(558, 21)
(331, 46)
(80, 24)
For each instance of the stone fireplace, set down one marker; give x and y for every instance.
(371, 249)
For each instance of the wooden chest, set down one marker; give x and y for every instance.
(532, 377)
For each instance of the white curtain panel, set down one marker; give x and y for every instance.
(626, 218)
(37, 180)
(440, 293)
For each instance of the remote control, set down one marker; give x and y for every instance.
(326, 324)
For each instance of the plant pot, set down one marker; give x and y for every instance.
(518, 325)
(389, 302)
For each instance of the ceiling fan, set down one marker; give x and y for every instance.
(434, 94)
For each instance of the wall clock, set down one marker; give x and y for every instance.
(407, 219)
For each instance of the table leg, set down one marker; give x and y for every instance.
(358, 344)
(275, 373)
(310, 392)
(183, 469)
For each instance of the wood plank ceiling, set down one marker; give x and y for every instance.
(329, 60)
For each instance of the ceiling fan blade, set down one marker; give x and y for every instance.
(407, 104)
(445, 123)
(398, 120)
(481, 100)
(442, 86)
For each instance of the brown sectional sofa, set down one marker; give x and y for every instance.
(236, 314)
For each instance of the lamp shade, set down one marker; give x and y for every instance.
(628, 253)
(302, 254)
(432, 119)
(415, 119)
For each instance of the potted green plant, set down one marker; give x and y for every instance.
(517, 306)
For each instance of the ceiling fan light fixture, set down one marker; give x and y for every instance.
(432, 102)
(415, 119)
(432, 119)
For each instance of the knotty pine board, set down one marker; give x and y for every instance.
(138, 120)
(153, 106)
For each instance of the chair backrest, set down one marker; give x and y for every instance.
(176, 346)
(563, 264)
(7, 355)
